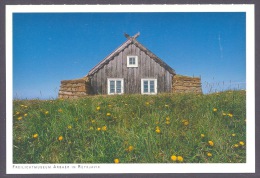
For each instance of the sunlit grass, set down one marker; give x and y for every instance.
(167, 128)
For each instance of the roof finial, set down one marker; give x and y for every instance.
(133, 37)
(136, 35)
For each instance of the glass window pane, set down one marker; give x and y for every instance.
(145, 86)
(118, 86)
(112, 86)
(151, 86)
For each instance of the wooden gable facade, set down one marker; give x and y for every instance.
(115, 74)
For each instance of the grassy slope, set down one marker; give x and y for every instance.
(133, 122)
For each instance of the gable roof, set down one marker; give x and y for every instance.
(130, 40)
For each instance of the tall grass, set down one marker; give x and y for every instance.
(132, 129)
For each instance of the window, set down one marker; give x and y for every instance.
(115, 86)
(149, 86)
(132, 61)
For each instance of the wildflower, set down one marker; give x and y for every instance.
(91, 128)
(224, 114)
(60, 138)
(233, 135)
(125, 104)
(104, 128)
(166, 105)
(157, 122)
(186, 123)
(167, 122)
(230, 115)
(174, 158)
(98, 108)
(116, 160)
(22, 105)
(180, 158)
(158, 130)
(236, 145)
(69, 126)
(35, 135)
(17, 113)
(26, 106)
(211, 143)
(147, 103)
(167, 118)
(241, 143)
(130, 148)
(93, 121)
(108, 114)
(202, 135)
(20, 118)
(215, 109)
(59, 110)
(209, 154)
(109, 105)
(46, 112)
(98, 128)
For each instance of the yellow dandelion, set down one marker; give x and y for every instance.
(69, 127)
(167, 118)
(202, 135)
(167, 122)
(26, 106)
(158, 131)
(233, 135)
(59, 110)
(116, 160)
(60, 138)
(22, 105)
(91, 128)
(104, 128)
(126, 104)
(209, 154)
(241, 143)
(17, 113)
(230, 115)
(236, 145)
(215, 109)
(211, 143)
(19, 118)
(147, 103)
(93, 121)
(186, 123)
(180, 158)
(46, 112)
(109, 105)
(98, 128)
(98, 108)
(224, 114)
(174, 158)
(166, 105)
(108, 114)
(130, 148)
(35, 135)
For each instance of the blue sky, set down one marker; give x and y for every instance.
(50, 47)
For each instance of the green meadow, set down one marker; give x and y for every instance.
(164, 128)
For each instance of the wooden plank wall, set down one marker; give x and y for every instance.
(117, 68)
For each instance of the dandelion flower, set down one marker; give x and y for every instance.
(26, 106)
(180, 158)
(147, 103)
(69, 126)
(167, 118)
(224, 114)
(109, 105)
(60, 138)
(211, 143)
(20, 118)
(46, 112)
(202, 135)
(167, 122)
(174, 158)
(98, 108)
(166, 105)
(104, 128)
(186, 123)
(98, 128)
(233, 135)
(116, 160)
(209, 154)
(108, 114)
(215, 109)
(158, 131)
(230, 115)
(126, 104)
(59, 110)
(236, 145)
(17, 113)
(130, 148)
(91, 128)
(25, 115)
(93, 121)
(241, 143)
(35, 135)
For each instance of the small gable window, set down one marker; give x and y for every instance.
(115, 86)
(132, 61)
(149, 86)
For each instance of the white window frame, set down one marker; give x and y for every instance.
(115, 79)
(132, 65)
(149, 92)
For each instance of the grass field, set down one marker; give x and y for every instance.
(166, 128)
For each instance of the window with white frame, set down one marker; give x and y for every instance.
(132, 61)
(115, 86)
(149, 86)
